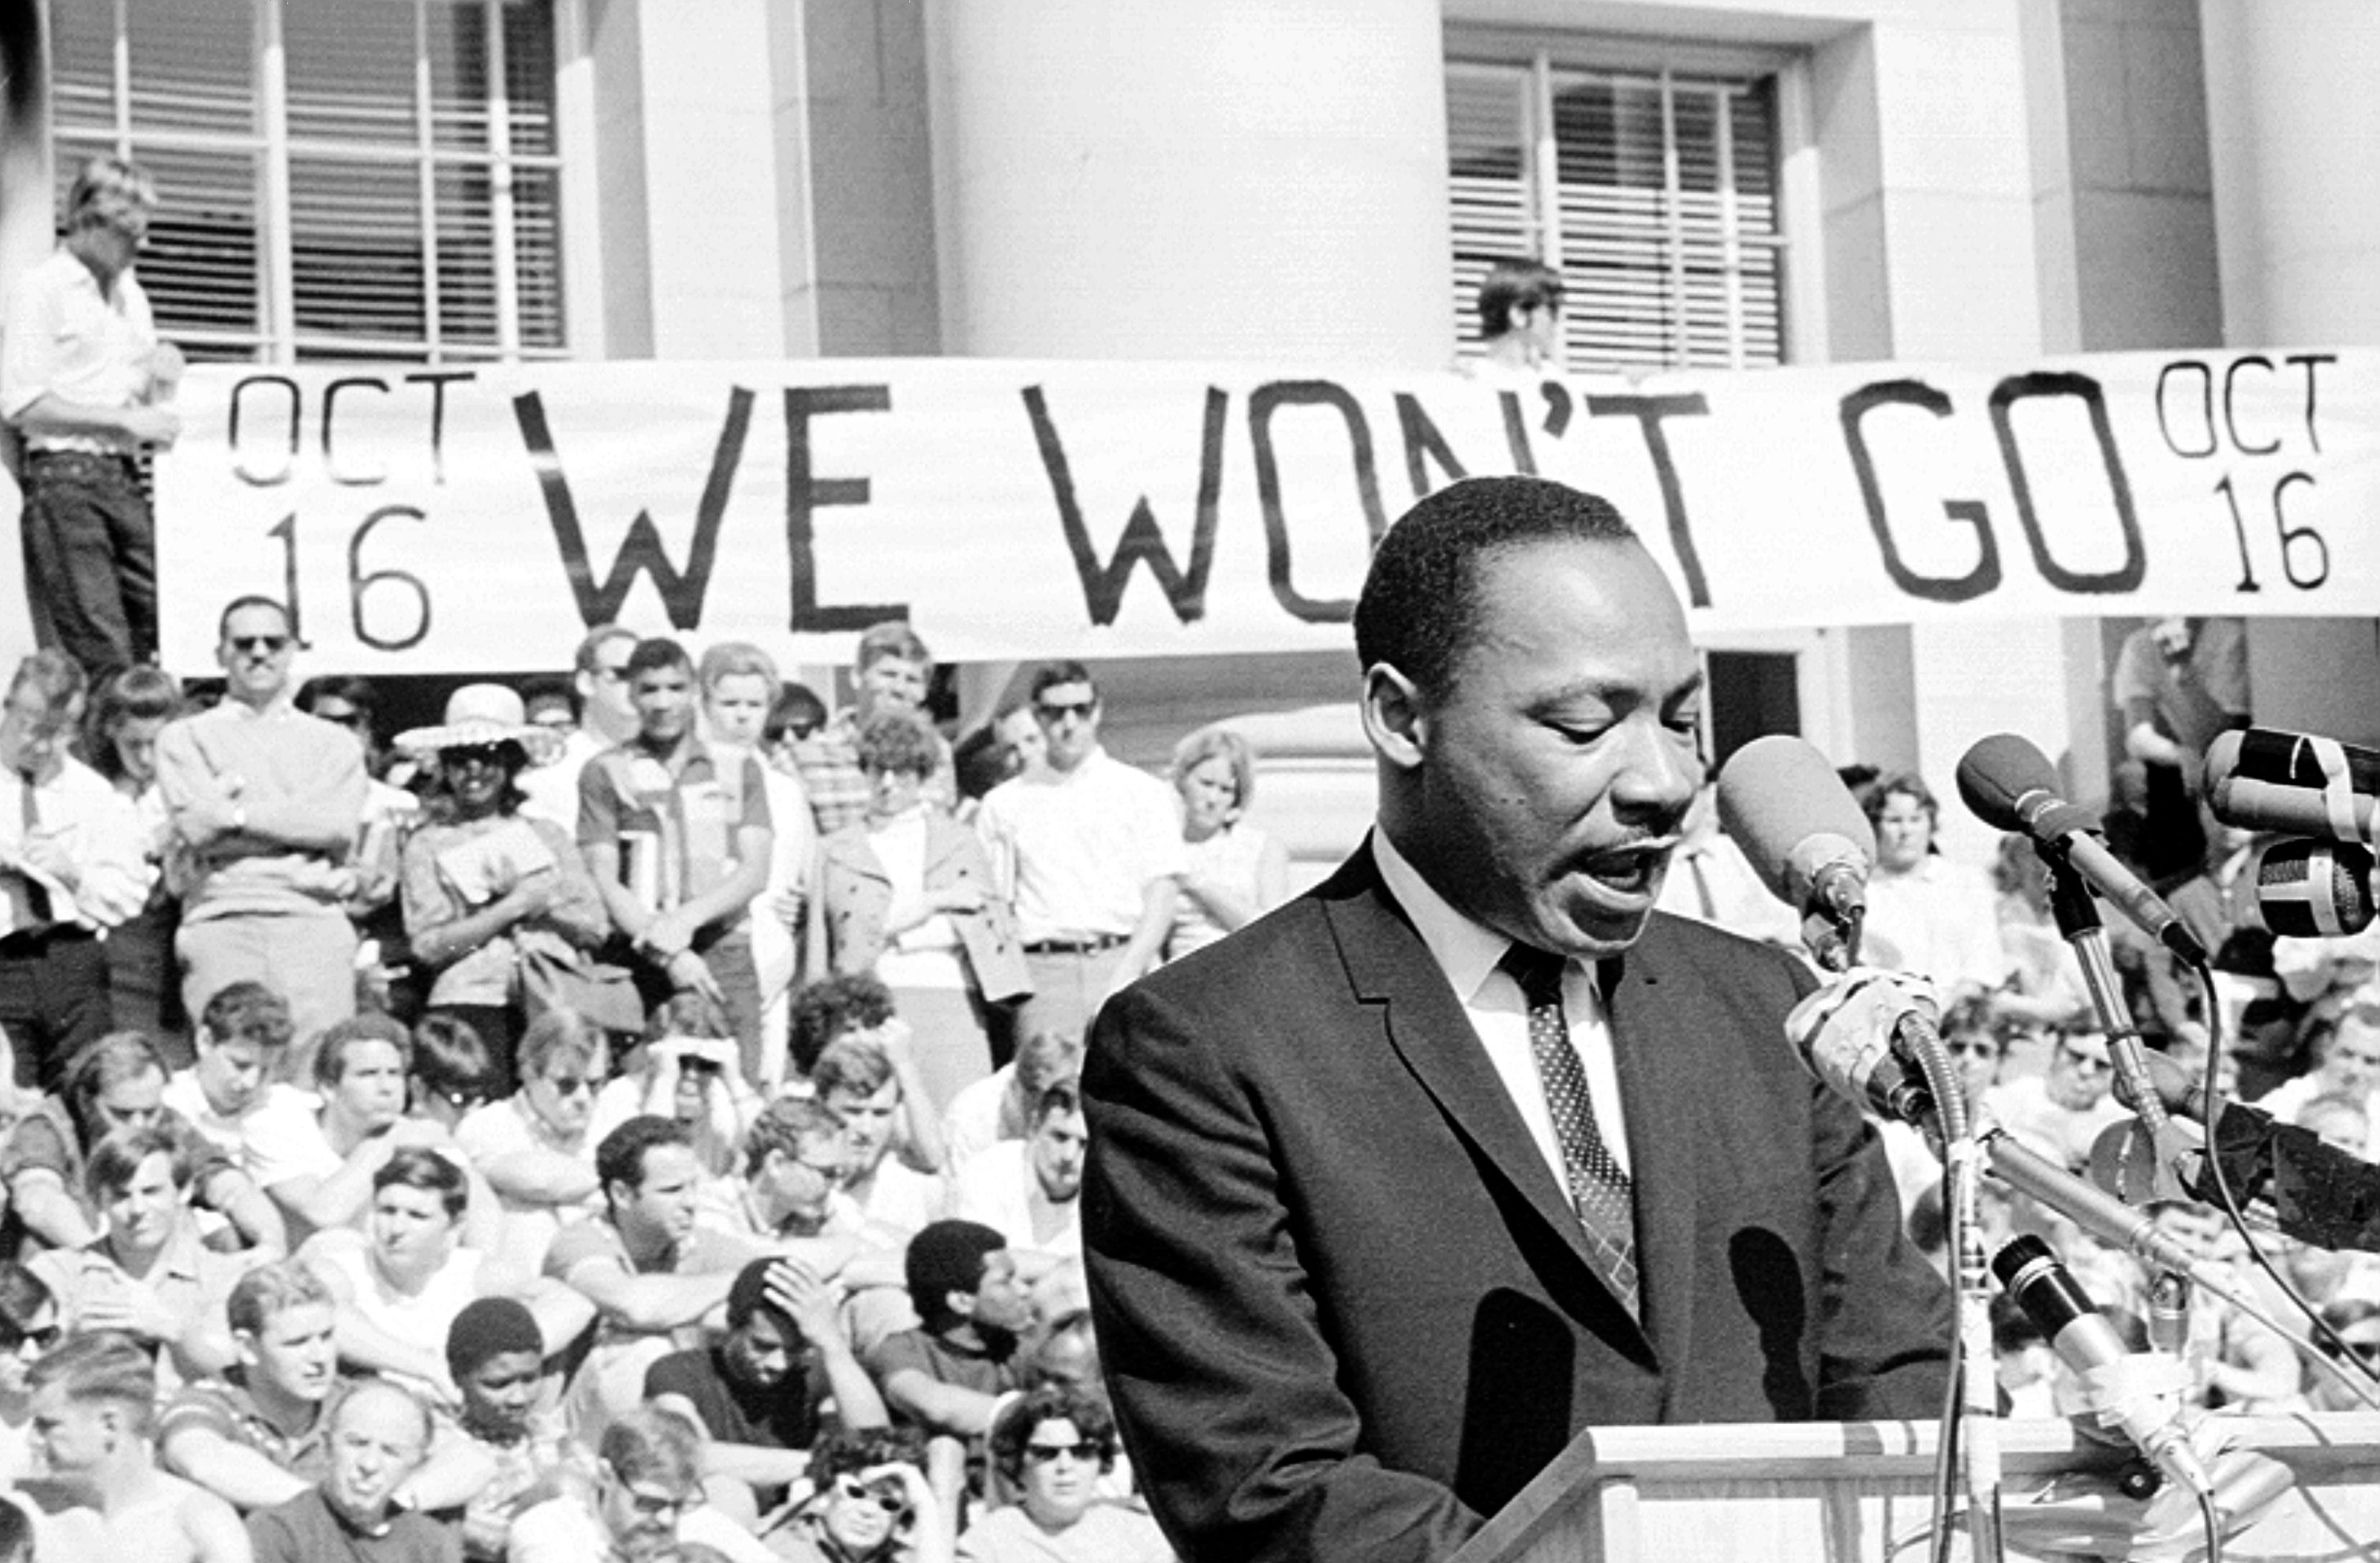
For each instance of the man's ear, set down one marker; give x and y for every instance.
(1395, 720)
(960, 1302)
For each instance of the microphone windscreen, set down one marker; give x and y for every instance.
(1785, 807)
(2314, 890)
(1999, 774)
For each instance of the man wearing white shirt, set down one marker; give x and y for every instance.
(86, 382)
(607, 718)
(1090, 850)
(239, 1041)
(71, 866)
(1029, 1191)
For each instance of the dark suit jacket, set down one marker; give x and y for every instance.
(1344, 1308)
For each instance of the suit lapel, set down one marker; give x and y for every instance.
(1649, 1005)
(1389, 966)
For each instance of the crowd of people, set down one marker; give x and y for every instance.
(639, 1108)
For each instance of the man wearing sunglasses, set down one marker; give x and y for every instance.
(1089, 850)
(87, 384)
(644, 1504)
(264, 801)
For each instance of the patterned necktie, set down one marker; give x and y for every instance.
(1598, 1186)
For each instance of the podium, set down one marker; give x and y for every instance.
(1855, 1492)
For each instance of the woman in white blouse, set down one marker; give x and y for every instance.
(1238, 872)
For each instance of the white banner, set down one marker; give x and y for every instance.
(452, 520)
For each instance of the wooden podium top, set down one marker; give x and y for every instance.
(1857, 1492)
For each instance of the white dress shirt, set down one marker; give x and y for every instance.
(1468, 954)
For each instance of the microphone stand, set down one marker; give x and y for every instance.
(2078, 921)
(1978, 1385)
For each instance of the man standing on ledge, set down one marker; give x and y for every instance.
(1394, 1191)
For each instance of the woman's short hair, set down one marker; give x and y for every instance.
(418, 1167)
(848, 1451)
(1901, 784)
(1209, 743)
(1051, 1403)
(134, 695)
(851, 1064)
(899, 742)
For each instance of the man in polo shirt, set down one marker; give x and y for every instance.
(1092, 849)
(71, 867)
(86, 382)
(379, 1434)
(679, 841)
(265, 801)
(607, 718)
(948, 1374)
(258, 1435)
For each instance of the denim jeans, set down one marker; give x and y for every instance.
(91, 559)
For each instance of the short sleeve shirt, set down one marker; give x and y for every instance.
(1081, 847)
(944, 1362)
(224, 1407)
(307, 1530)
(786, 1417)
(672, 820)
(285, 1141)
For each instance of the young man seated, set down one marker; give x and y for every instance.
(94, 1415)
(240, 1041)
(947, 1375)
(762, 1392)
(1029, 1191)
(511, 1418)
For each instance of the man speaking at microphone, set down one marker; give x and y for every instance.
(1395, 1191)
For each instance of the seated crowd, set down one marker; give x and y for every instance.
(636, 1118)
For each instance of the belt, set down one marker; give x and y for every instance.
(1089, 944)
(67, 461)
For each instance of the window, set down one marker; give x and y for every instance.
(338, 178)
(1653, 191)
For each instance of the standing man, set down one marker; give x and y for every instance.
(71, 867)
(85, 381)
(1520, 322)
(1468, 1149)
(264, 799)
(677, 837)
(1092, 849)
(607, 718)
(894, 669)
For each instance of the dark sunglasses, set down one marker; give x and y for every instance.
(477, 754)
(1979, 1049)
(461, 1100)
(258, 642)
(571, 1085)
(1051, 710)
(1088, 1451)
(885, 1494)
(42, 1338)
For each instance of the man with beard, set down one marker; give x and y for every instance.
(761, 1393)
(379, 1437)
(1395, 1191)
(948, 1374)
(1028, 1190)
(93, 1410)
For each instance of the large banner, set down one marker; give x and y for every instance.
(453, 519)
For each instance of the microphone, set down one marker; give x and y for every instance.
(1805, 837)
(2314, 890)
(2087, 1343)
(2009, 784)
(2262, 779)
(1852, 1035)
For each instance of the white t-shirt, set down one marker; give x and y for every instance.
(1079, 848)
(999, 1189)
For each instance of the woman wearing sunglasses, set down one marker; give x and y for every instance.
(1051, 1448)
(29, 1327)
(870, 1503)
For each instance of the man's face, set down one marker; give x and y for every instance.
(605, 689)
(664, 698)
(231, 1073)
(999, 1301)
(564, 1094)
(892, 683)
(500, 1393)
(256, 653)
(1058, 1155)
(35, 735)
(377, 1443)
(410, 1229)
(140, 1214)
(662, 1204)
(2080, 1071)
(1020, 733)
(798, 1188)
(1069, 715)
(2351, 1068)
(71, 1436)
(737, 709)
(370, 1090)
(640, 1516)
(867, 1123)
(135, 1103)
(293, 1351)
(760, 1350)
(1557, 766)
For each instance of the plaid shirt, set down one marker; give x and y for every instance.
(829, 762)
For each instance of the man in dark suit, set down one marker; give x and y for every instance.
(1393, 1192)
